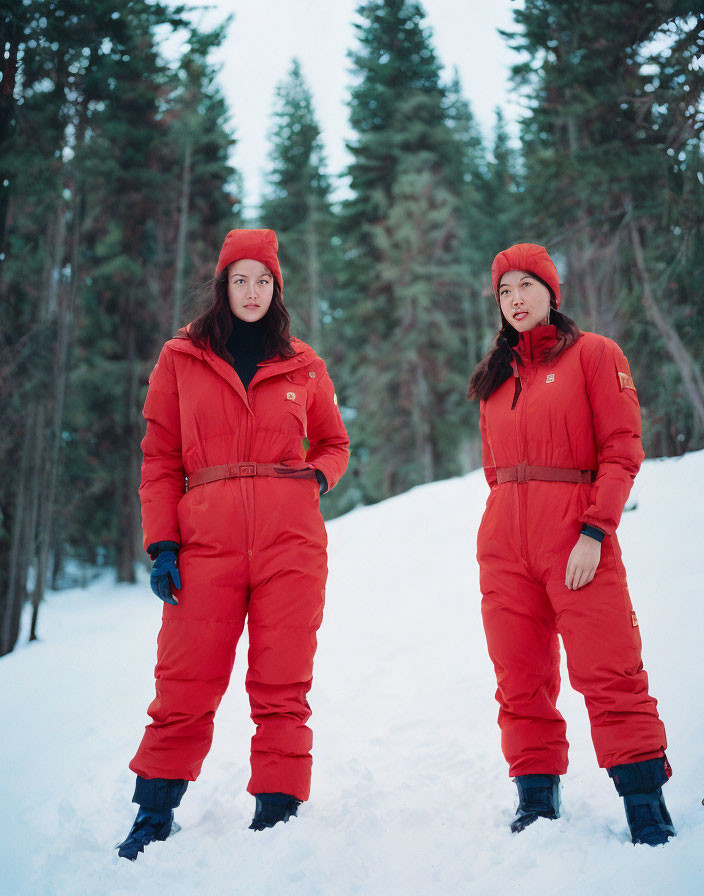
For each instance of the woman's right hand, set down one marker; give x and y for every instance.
(583, 562)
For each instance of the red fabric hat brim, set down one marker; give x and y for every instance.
(526, 257)
(260, 245)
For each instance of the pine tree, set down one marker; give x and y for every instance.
(403, 293)
(485, 189)
(161, 201)
(198, 144)
(88, 177)
(394, 63)
(613, 126)
(419, 375)
(298, 208)
(51, 53)
(505, 222)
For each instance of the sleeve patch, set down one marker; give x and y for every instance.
(625, 381)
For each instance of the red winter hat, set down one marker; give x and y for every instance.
(526, 257)
(261, 245)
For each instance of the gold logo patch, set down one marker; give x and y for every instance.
(625, 381)
(550, 378)
(634, 619)
(291, 396)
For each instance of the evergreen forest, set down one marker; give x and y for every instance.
(117, 188)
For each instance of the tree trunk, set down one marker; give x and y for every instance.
(40, 507)
(489, 319)
(129, 507)
(40, 516)
(580, 249)
(424, 447)
(64, 327)
(473, 330)
(8, 67)
(313, 277)
(181, 239)
(11, 609)
(31, 492)
(687, 366)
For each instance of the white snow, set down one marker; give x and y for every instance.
(410, 792)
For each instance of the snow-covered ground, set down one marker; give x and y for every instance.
(410, 791)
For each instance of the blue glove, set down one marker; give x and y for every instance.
(165, 572)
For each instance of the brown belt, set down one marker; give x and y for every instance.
(241, 470)
(524, 472)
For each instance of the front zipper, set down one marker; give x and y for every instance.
(248, 443)
(247, 487)
(520, 514)
(247, 501)
(519, 405)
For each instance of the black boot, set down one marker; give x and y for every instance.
(538, 797)
(271, 808)
(157, 799)
(149, 825)
(640, 785)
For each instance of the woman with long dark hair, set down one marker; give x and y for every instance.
(561, 446)
(230, 513)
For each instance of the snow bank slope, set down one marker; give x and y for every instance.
(410, 792)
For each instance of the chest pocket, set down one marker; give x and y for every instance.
(294, 396)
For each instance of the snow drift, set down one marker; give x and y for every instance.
(410, 791)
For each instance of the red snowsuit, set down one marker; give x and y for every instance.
(580, 412)
(250, 546)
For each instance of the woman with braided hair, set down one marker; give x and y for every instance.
(561, 446)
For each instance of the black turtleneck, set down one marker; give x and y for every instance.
(247, 345)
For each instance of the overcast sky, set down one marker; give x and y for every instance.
(267, 34)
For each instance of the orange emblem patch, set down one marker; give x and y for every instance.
(634, 619)
(625, 381)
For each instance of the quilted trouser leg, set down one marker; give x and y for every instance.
(603, 649)
(195, 655)
(285, 612)
(520, 631)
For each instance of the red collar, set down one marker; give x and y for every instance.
(534, 344)
(304, 355)
(271, 367)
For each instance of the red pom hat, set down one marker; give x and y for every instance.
(526, 257)
(261, 245)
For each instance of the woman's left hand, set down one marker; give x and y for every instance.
(583, 562)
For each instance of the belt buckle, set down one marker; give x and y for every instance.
(247, 469)
(521, 470)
